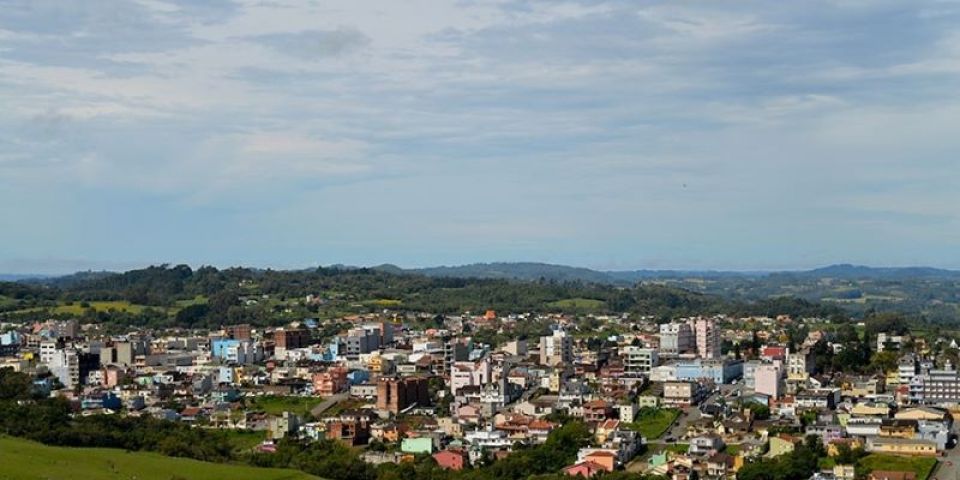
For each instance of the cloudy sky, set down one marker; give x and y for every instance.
(713, 134)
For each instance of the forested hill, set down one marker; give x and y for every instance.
(536, 271)
(922, 292)
(180, 295)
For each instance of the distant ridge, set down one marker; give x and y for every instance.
(529, 271)
(532, 271)
(535, 271)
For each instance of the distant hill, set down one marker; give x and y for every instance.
(531, 271)
(517, 271)
(68, 280)
(16, 277)
(534, 271)
(860, 271)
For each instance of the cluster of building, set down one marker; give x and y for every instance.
(436, 391)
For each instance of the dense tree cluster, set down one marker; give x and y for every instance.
(263, 297)
(797, 465)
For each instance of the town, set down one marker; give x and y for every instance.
(707, 397)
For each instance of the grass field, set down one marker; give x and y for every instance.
(244, 440)
(653, 423)
(922, 466)
(193, 301)
(277, 405)
(578, 304)
(385, 303)
(677, 447)
(76, 309)
(24, 460)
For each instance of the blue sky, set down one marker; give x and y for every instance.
(735, 135)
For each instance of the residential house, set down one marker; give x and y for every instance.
(705, 444)
(451, 459)
(585, 469)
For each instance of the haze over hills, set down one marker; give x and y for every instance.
(535, 271)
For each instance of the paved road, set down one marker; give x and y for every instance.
(327, 403)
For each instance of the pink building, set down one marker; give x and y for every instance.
(470, 374)
(707, 337)
(113, 376)
(330, 382)
(769, 381)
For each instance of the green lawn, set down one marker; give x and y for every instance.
(76, 309)
(653, 423)
(922, 466)
(25, 460)
(578, 304)
(677, 447)
(192, 301)
(277, 405)
(385, 303)
(244, 440)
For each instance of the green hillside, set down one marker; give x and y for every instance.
(25, 460)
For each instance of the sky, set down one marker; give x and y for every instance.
(608, 134)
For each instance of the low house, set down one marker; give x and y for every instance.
(585, 469)
(782, 444)
(417, 445)
(597, 411)
(902, 446)
(844, 472)
(451, 459)
(891, 475)
(705, 445)
(605, 458)
(719, 465)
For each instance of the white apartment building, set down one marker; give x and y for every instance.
(676, 338)
(638, 360)
(556, 349)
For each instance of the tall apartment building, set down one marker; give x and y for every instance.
(768, 380)
(386, 333)
(48, 348)
(123, 353)
(453, 351)
(707, 336)
(362, 340)
(556, 349)
(289, 339)
(676, 338)
(907, 368)
(66, 329)
(71, 366)
(397, 394)
(638, 360)
(799, 365)
(240, 332)
(936, 386)
(469, 374)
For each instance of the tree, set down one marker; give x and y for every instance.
(15, 385)
(884, 361)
